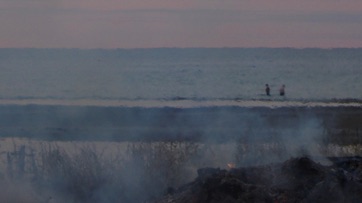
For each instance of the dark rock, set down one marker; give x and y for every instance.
(295, 180)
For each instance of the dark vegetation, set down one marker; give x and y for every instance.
(295, 180)
(176, 172)
(89, 175)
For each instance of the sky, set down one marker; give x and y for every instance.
(110, 24)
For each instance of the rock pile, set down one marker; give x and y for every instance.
(295, 180)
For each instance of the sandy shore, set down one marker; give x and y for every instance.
(112, 123)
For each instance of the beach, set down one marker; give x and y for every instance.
(206, 123)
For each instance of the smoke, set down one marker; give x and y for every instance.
(148, 151)
(305, 139)
(17, 192)
(277, 135)
(261, 135)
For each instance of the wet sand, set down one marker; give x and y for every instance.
(63, 122)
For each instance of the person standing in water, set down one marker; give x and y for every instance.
(267, 89)
(282, 90)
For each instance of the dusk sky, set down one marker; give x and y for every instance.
(180, 23)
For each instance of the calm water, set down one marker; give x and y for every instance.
(173, 74)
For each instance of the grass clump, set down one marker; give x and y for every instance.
(87, 174)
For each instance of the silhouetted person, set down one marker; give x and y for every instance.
(282, 90)
(267, 89)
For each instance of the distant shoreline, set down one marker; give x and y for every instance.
(184, 103)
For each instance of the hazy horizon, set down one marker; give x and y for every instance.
(112, 24)
(150, 48)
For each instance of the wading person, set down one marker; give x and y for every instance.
(282, 90)
(267, 89)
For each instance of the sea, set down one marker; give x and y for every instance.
(202, 95)
(181, 77)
